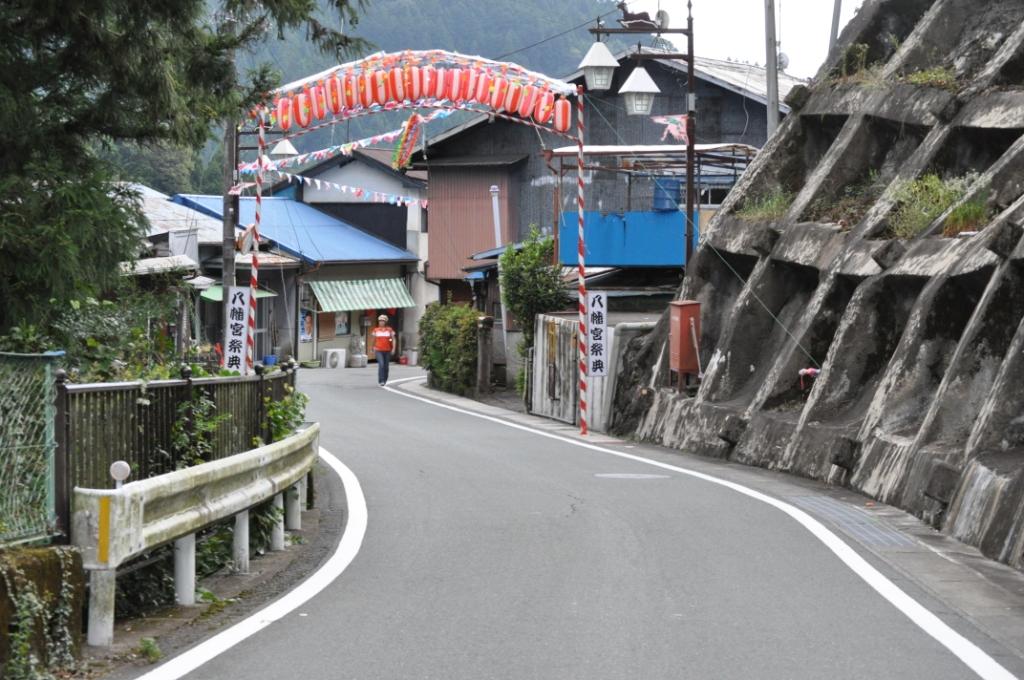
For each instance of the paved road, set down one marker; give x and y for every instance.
(493, 552)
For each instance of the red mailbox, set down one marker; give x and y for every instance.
(683, 336)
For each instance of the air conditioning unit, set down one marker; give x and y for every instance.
(333, 358)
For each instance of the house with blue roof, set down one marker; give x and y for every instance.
(345, 275)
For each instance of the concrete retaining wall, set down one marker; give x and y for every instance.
(919, 341)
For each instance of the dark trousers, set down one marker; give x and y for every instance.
(383, 360)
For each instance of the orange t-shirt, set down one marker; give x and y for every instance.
(383, 339)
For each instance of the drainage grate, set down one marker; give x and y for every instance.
(854, 521)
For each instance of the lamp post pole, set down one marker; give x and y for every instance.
(691, 112)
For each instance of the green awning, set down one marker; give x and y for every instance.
(344, 296)
(216, 294)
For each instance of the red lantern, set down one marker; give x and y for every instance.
(381, 87)
(527, 101)
(483, 88)
(544, 108)
(440, 78)
(453, 84)
(413, 83)
(365, 83)
(284, 113)
(301, 109)
(499, 92)
(563, 114)
(469, 77)
(334, 93)
(392, 311)
(318, 102)
(428, 77)
(351, 93)
(396, 78)
(515, 93)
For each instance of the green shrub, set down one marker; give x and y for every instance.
(530, 283)
(921, 201)
(448, 348)
(770, 206)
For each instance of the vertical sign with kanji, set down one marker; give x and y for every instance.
(597, 350)
(234, 334)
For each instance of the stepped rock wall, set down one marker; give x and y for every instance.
(920, 341)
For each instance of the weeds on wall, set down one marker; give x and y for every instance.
(939, 77)
(853, 67)
(922, 200)
(36, 612)
(970, 215)
(849, 206)
(767, 207)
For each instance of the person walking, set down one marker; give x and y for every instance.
(383, 346)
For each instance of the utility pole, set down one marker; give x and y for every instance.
(771, 64)
(835, 25)
(230, 215)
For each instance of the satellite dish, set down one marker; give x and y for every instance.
(783, 61)
(661, 18)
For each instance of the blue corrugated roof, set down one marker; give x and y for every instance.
(304, 231)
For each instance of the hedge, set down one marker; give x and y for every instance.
(448, 346)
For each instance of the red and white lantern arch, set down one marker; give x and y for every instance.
(433, 79)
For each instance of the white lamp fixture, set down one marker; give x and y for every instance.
(638, 91)
(283, 149)
(598, 67)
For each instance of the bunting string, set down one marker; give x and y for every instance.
(359, 193)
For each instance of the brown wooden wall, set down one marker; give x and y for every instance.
(461, 222)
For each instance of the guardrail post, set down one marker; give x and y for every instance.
(100, 632)
(277, 533)
(185, 570)
(240, 543)
(292, 509)
(262, 431)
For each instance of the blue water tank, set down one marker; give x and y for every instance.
(666, 193)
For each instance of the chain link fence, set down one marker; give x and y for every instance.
(27, 446)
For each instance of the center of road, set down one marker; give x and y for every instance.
(983, 665)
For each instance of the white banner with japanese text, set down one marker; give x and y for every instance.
(234, 332)
(597, 326)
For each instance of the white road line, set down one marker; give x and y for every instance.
(973, 656)
(355, 529)
(402, 380)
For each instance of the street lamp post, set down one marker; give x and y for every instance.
(639, 90)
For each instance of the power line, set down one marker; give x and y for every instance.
(552, 37)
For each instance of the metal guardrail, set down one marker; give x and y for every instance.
(111, 526)
(99, 423)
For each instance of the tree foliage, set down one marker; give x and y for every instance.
(76, 75)
(530, 283)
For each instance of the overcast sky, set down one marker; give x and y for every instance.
(735, 28)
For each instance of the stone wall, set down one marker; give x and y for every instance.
(41, 598)
(919, 340)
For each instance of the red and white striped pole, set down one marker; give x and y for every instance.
(250, 340)
(582, 261)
